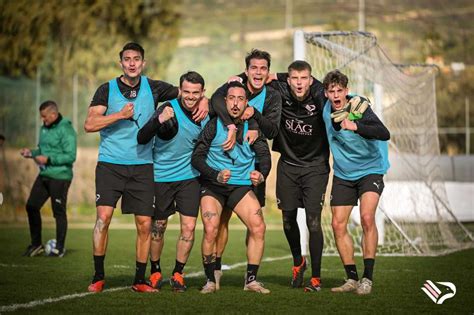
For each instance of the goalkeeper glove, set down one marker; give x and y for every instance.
(358, 105)
(340, 115)
(354, 109)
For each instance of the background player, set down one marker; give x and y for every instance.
(55, 156)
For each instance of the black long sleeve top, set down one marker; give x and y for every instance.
(268, 121)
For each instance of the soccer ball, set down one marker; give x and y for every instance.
(50, 245)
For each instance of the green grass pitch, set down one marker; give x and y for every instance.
(59, 285)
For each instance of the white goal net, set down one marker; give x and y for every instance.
(414, 215)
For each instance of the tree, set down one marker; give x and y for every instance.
(83, 36)
(77, 37)
(24, 26)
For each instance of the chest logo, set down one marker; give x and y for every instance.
(310, 108)
(299, 127)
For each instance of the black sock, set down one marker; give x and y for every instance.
(178, 267)
(297, 261)
(251, 273)
(369, 268)
(155, 266)
(218, 263)
(209, 271)
(140, 272)
(351, 272)
(99, 268)
(292, 233)
(316, 241)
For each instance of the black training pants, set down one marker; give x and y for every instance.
(44, 188)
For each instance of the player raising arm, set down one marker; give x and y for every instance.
(360, 154)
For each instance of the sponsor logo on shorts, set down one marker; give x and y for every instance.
(97, 197)
(57, 201)
(203, 191)
(377, 185)
(439, 293)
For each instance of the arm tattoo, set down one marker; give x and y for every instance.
(208, 259)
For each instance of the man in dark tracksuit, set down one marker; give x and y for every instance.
(303, 168)
(55, 155)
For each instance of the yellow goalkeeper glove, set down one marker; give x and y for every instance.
(354, 109)
(358, 105)
(340, 115)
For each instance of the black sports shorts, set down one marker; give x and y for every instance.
(347, 192)
(300, 187)
(260, 190)
(182, 196)
(227, 195)
(134, 183)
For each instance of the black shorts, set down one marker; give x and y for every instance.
(134, 183)
(182, 196)
(301, 187)
(347, 192)
(227, 195)
(260, 190)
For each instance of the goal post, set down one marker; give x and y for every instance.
(417, 217)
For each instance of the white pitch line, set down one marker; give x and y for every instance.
(14, 307)
(32, 304)
(122, 267)
(14, 266)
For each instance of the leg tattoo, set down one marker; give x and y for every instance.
(158, 230)
(208, 215)
(186, 239)
(208, 259)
